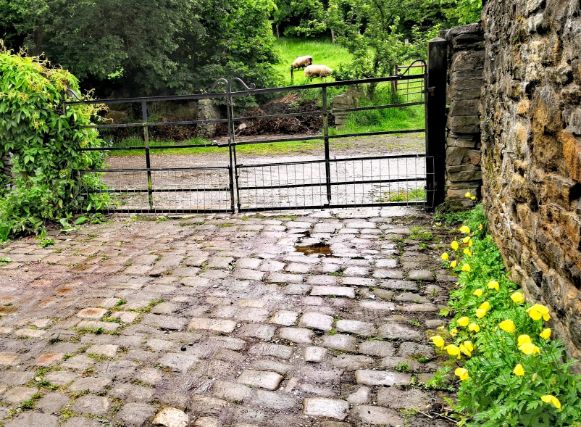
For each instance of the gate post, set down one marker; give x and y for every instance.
(232, 148)
(145, 118)
(436, 79)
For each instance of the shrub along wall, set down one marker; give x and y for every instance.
(531, 150)
(39, 146)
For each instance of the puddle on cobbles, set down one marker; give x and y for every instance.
(315, 249)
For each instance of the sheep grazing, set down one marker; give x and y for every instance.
(320, 71)
(302, 62)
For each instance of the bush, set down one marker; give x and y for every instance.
(511, 373)
(39, 145)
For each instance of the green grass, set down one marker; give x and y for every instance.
(403, 195)
(323, 52)
(405, 118)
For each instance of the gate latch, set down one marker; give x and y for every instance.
(432, 90)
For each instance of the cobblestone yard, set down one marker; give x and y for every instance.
(222, 321)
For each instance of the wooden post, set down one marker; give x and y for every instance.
(436, 81)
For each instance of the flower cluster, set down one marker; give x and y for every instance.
(496, 340)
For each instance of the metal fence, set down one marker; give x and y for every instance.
(411, 88)
(173, 178)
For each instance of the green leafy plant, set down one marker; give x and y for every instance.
(511, 372)
(40, 142)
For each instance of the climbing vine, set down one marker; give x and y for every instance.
(40, 140)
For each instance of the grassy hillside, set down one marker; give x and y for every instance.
(323, 52)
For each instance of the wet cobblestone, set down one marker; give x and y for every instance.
(217, 320)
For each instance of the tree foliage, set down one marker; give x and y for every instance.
(300, 18)
(39, 146)
(384, 33)
(134, 47)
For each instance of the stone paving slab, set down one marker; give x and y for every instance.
(218, 320)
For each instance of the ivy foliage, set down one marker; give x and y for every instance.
(40, 139)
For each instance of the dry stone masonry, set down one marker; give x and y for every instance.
(531, 149)
(465, 79)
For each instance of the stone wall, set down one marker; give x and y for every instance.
(531, 150)
(465, 79)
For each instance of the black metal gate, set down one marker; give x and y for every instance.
(154, 177)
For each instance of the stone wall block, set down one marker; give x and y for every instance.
(208, 110)
(464, 124)
(465, 107)
(464, 173)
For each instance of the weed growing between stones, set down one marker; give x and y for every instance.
(510, 371)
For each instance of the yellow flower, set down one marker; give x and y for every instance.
(465, 229)
(517, 297)
(483, 309)
(466, 239)
(462, 373)
(529, 349)
(507, 326)
(473, 198)
(551, 400)
(470, 243)
(454, 332)
(478, 292)
(523, 339)
(545, 334)
(467, 348)
(463, 321)
(438, 341)
(493, 284)
(454, 245)
(453, 350)
(538, 311)
(467, 252)
(473, 327)
(518, 370)
(445, 256)
(468, 195)
(454, 264)
(466, 268)
(480, 227)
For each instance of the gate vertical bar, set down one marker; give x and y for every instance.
(232, 149)
(144, 117)
(435, 98)
(326, 139)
